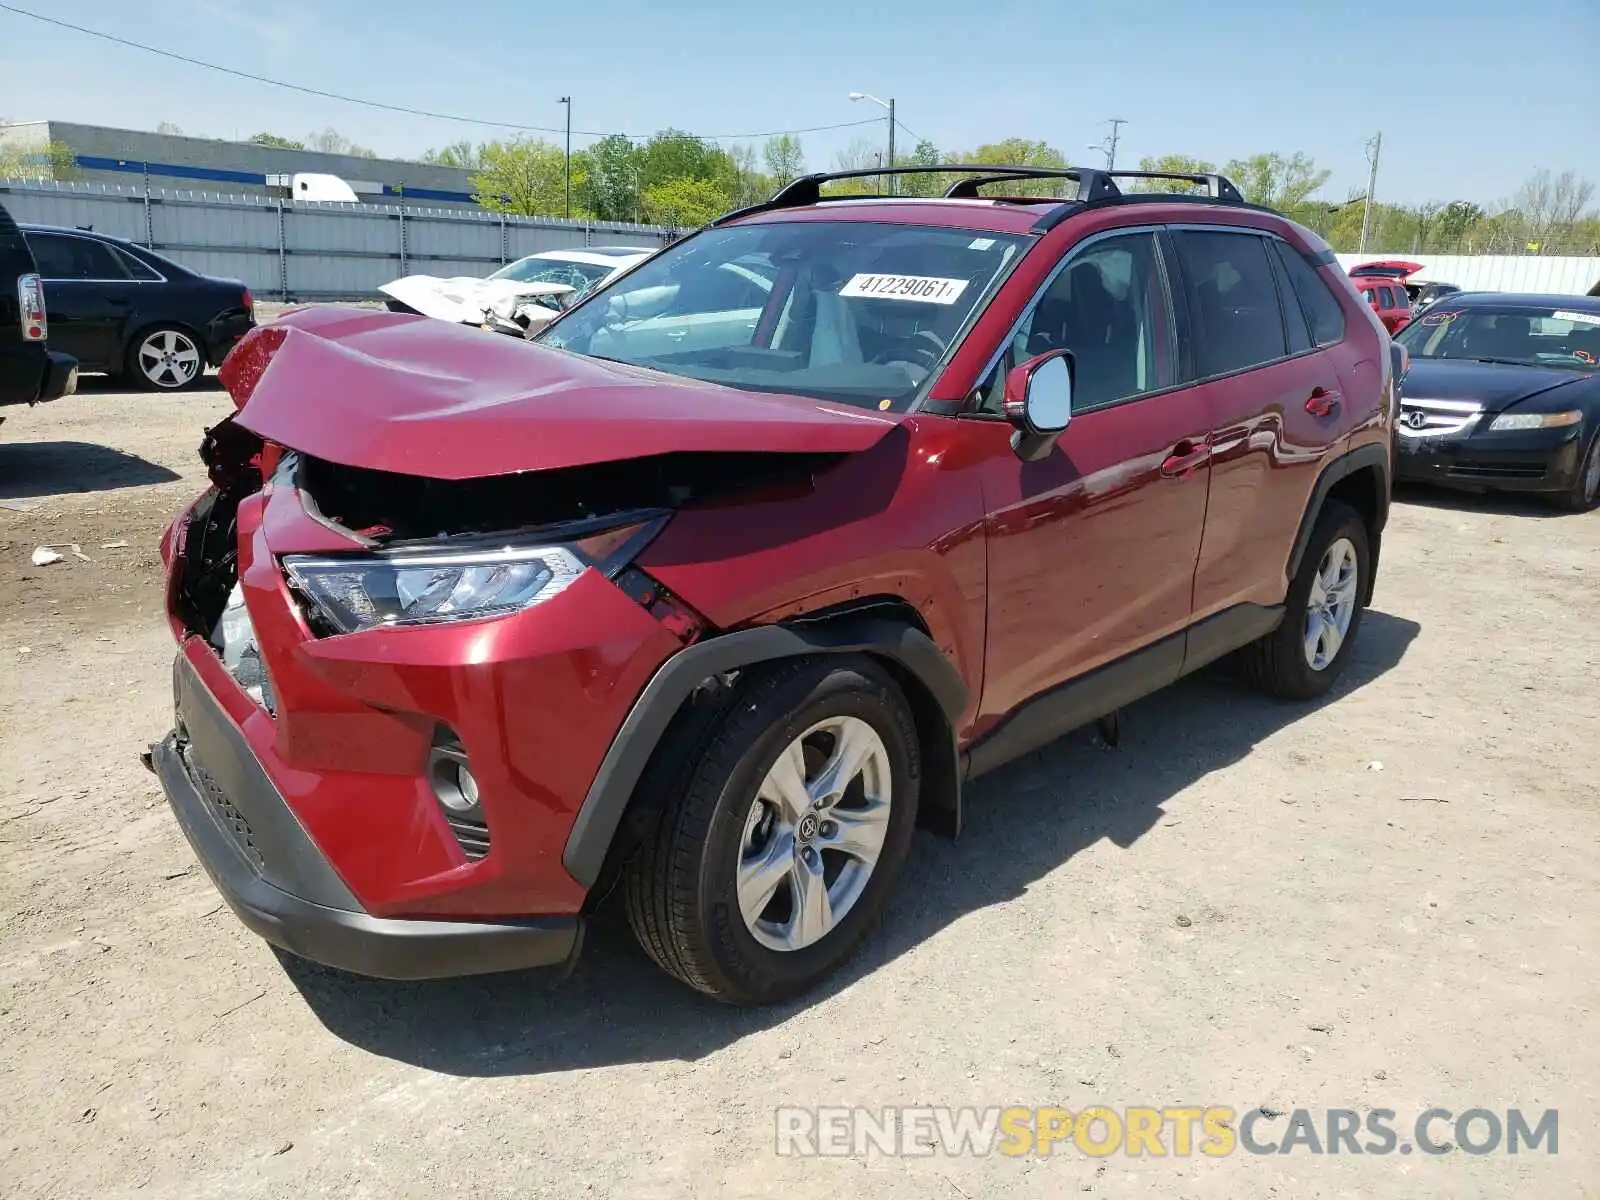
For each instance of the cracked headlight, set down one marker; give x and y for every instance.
(428, 586)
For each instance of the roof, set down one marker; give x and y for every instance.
(991, 216)
(30, 227)
(594, 256)
(1587, 304)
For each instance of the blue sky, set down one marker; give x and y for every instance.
(1486, 92)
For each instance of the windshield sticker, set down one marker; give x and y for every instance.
(920, 289)
(1582, 318)
(981, 244)
(1443, 318)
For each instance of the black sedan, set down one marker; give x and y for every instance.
(1504, 392)
(123, 310)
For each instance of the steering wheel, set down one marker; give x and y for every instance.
(922, 351)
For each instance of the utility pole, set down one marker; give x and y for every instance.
(1116, 124)
(1374, 148)
(892, 178)
(567, 100)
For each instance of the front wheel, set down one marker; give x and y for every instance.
(1584, 493)
(1301, 658)
(166, 359)
(778, 847)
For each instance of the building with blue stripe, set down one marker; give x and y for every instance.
(106, 155)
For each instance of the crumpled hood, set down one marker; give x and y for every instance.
(394, 392)
(1496, 386)
(466, 300)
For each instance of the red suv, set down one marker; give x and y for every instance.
(749, 562)
(1383, 286)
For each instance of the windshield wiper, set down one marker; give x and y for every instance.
(1508, 362)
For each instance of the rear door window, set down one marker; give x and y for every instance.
(1386, 297)
(63, 257)
(1233, 301)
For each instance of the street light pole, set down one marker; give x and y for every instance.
(889, 105)
(567, 162)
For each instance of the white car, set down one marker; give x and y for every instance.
(520, 297)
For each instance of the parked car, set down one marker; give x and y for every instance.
(1388, 300)
(520, 298)
(124, 310)
(715, 605)
(29, 371)
(1420, 292)
(1504, 392)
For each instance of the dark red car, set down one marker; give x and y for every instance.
(736, 575)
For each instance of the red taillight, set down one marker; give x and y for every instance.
(249, 301)
(30, 299)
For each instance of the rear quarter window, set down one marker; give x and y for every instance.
(1317, 300)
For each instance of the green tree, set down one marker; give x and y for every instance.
(785, 159)
(331, 141)
(25, 158)
(464, 155)
(1456, 223)
(684, 203)
(1021, 152)
(1277, 181)
(611, 189)
(1171, 164)
(276, 141)
(925, 155)
(526, 176)
(754, 184)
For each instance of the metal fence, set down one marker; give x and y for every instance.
(299, 251)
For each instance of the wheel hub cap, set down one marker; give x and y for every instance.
(1331, 604)
(814, 833)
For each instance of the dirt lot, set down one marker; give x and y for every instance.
(1236, 907)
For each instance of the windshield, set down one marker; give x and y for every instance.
(1542, 337)
(858, 312)
(551, 270)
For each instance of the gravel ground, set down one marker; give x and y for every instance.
(1236, 907)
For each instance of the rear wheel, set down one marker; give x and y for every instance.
(166, 359)
(785, 834)
(1302, 657)
(1584, 493)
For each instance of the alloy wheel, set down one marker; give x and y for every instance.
(169, 359)
(814, 833)
(1331, 604)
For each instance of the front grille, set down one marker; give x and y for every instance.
(1517, 469)
(228, 816)
(1436, 418)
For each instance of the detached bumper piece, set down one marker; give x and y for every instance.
(278, 883)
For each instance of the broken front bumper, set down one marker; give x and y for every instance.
(279, 884)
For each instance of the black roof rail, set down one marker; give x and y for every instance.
(1094, 185)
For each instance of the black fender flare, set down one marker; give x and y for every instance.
(903, 645)
(1374, 454)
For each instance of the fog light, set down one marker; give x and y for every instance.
(456, 789)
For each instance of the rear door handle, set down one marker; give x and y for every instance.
(1322, 402)
(1185, 458)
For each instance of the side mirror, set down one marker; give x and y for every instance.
(1038, 403)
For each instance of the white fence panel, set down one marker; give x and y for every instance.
(1498, 272)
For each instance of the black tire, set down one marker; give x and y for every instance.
(186, 340)
(1584, 493)
(1277, 663)
(680, 887)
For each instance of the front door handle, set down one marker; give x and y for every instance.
(1322, 402)
(1185, 459)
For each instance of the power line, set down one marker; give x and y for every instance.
(128, 43)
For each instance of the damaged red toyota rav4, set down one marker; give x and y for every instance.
(738, 572)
